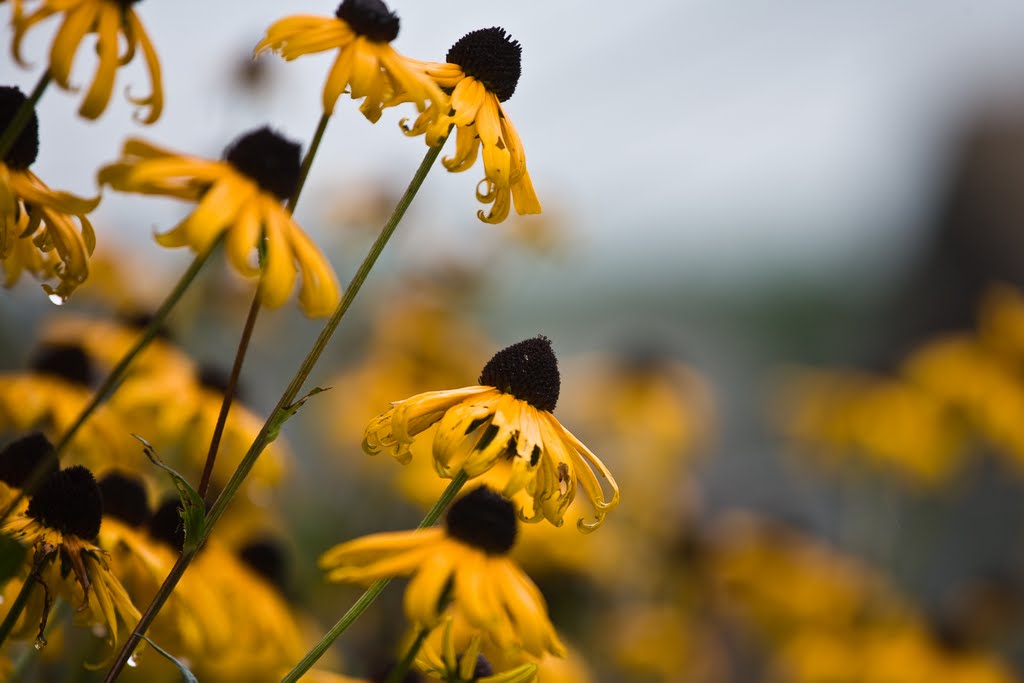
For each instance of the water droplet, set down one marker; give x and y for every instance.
(133, 661)
(57, 300)
(40, 643)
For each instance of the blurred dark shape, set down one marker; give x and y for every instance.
(66, 361)
(216, 379)
(252, 76)
(977, 238)
(141, 319)
(267, 557)
(986, 610)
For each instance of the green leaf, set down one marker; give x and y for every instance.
(187, 675)
(12, 554)
(193, 509)
(289, 411)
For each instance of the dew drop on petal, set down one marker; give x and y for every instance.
(40, 643)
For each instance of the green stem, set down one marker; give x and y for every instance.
(367, 598)
(281, 412)
(250, 321)
(398, 672)
(307, 161)
(17, 607)
(229, 393)
(22, 116)
(113, 379)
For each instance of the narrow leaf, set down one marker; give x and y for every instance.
(193, 509)
(187, 675)
(289, 411)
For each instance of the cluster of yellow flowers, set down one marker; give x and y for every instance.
(104, 535)
(952, 393)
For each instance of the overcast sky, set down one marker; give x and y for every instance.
(713, 135)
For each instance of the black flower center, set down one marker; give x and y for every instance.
(266, 557)
(381, 670)
(69, 501)
(124, 498)
(527, 370)
(215, 379)
(127, 4)
(490, 56)
(19, 459)
(482, 669)
(369, 18)
(268, 159)
(166, 524)
(26, 146)
(67, 361)
(484, 520)
(141, 320)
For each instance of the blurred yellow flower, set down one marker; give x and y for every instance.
(445, 662)
(506, 417)
(367, 65)
(109, 20)
(888, 423)
(51, 395)
(465, 563)
(482, 71)
(240, 196)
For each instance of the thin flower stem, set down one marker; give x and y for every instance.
(367, 598)
(23, 115)
(113, 380)
(398, 672)
(229, 392)
(17, 607)
(307, 161)
(281, 412)
(250, 321)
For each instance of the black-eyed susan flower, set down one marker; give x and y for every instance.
(110, 20)
(481, 72)
(50, 396)
(367, 65)
(240, 196)
(158, 394)
(61, 523)
(193, 620)
(506, 418)
(462, 567)
(444, 661)
(38, 234)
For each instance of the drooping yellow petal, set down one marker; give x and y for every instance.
(108, 29)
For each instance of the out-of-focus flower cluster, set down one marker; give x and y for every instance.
(953, 395)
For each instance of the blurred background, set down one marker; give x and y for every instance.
(780, 260)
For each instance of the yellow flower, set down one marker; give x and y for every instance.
(240, 196)
(367, 65)
(194, 622)
(506, 417)
(441, 661)
(109, 20)
(465, 561)
(37, 224)
(481, 72)
(885, 422)
(61, 523)
(50, 397)
(157, 395)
